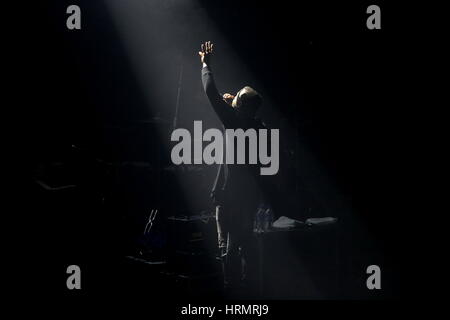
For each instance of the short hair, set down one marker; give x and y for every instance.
(248, 98)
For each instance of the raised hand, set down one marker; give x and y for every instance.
(206, 52)
(228, 98)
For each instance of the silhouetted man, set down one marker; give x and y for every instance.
(237, 189)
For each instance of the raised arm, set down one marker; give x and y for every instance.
(225, 112)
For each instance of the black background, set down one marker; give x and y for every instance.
(335, 83)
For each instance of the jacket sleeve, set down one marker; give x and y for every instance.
(225, 112)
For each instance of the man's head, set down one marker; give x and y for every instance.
(247, 101)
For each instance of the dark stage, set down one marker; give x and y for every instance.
(101, 189)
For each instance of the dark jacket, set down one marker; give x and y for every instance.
(230, 177)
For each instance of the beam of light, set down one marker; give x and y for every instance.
(162, 38)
